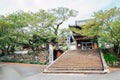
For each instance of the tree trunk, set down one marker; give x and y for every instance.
(2, 52)
(116, 49)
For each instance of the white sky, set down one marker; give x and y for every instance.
(86, 8)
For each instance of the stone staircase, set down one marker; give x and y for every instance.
(77, 61)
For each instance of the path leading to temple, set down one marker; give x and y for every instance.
(77, 61)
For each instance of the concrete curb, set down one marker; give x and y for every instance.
(106, 70)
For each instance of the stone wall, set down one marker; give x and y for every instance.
(42, 56)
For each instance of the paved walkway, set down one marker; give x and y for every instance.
(17, 71)
(25, 69)
(111, 76)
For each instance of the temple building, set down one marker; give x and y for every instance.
(83, 42)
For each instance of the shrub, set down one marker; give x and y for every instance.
(27, 62)
(110, 58)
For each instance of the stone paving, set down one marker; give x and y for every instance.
(25, 69)
(17, 71)
(13, 71)
(111, 76)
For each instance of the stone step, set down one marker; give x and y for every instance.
(77, 61)
(73, 67)
(81, 69)
(75, 72)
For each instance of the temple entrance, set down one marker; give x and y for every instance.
(86, 45)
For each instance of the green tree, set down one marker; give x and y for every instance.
(41, 23)
(21, 21)
(40, 27)
(62, 14)
(109, 26)
(5, 33)
(12, 30)
(105, 25)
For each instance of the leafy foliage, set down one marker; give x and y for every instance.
(105, 26)
(20, 28)
(62, 15)
(110, 58)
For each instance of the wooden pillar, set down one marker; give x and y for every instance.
(82, 46)
(95, 46)
(76, 44)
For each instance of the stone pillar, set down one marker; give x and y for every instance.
(68, 41)
(50, 53)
